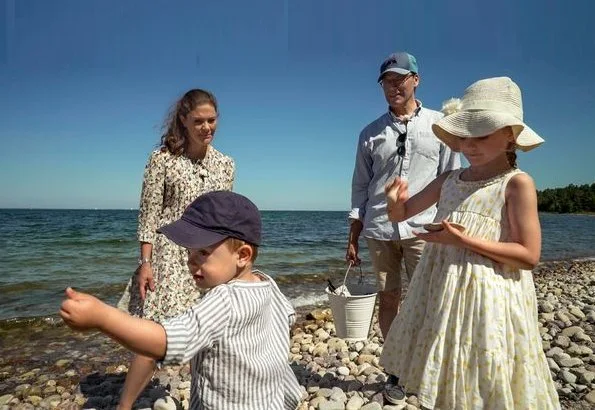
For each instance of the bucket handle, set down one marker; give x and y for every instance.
(361, 275)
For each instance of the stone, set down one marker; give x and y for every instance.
(344, 371)
(562, 341)
(553, 351)
(567, 377)
(553, 365)
(545, 306)
(372, 406)
(590, 397)
(365, 358)
(563, 317)
(577, 313)
(326, 393)
(5, 399)
(586, 377)
(570, 362)
(165, 403)
(331, 405)
(571, 331)
(581, 337)
(354, 403)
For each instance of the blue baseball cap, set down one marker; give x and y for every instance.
(213, 217)
(400, 63)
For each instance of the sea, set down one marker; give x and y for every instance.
(44, 251)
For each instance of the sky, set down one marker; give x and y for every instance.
(85, 86)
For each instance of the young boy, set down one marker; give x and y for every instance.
(237, 336)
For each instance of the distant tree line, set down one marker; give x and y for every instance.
(571, 199)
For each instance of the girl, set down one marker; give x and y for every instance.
(185, 167)
(467, 335)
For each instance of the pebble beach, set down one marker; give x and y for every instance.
(59, 369)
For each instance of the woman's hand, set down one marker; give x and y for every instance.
(144, 278)
(82, 311)
(447, 236)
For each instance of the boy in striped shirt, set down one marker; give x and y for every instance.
(236, 336)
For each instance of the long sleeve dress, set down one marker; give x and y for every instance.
(170, 184)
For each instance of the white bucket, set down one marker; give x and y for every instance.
(353, 310)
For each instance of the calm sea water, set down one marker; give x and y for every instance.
(44, 251)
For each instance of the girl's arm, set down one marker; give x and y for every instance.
(523, 247)
(400, 207)
(81, 311)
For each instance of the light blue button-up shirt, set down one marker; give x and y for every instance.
(377, 162)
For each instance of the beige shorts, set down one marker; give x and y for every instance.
(387, 257)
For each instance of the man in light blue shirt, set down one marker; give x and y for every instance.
(398, 143)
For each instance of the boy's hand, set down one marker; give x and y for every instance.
(81, 311)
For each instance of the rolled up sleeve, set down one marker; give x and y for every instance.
(360, 182)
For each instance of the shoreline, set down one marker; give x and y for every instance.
(54, 367)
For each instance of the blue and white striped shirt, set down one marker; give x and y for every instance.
(237, 337)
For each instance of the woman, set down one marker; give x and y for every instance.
(185, 166)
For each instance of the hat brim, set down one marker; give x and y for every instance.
(397, 70)
(187, 235)
(473, 124)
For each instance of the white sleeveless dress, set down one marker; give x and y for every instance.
(467, 333)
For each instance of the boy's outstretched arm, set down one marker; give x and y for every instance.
(82, 311)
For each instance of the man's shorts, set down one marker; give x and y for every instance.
(387, 256)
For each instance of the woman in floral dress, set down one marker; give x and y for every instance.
(184, 167)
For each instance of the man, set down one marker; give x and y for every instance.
(398, 143)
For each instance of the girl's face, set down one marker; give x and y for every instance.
(201, 124)
(484, 150)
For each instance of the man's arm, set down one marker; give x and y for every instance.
(362, 175)
(82, 311)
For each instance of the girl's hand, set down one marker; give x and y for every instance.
(144, 278)
(447, 236)
(82, 311)
(396, 191)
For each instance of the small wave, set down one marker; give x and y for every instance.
(36, 321)
(308, 300)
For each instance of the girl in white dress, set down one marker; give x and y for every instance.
(467, 335)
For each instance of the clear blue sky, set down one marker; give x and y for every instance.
(84, 87)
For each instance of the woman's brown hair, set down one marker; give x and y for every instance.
(175, 136)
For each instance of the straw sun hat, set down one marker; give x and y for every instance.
(487, 106)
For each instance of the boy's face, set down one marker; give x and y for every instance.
(213, 265)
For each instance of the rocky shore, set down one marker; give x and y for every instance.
(57, 368)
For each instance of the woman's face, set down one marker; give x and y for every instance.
(201, 124)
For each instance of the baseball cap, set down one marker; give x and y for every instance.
(213, 217)
(400, 63)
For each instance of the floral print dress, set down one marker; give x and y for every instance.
(170, 184)
(467, 334)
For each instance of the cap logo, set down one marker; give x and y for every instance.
(389, 63)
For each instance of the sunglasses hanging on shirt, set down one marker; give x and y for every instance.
(401, 150)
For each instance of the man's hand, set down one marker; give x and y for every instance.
(82, 311)
(144, 278)
(352, 254)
